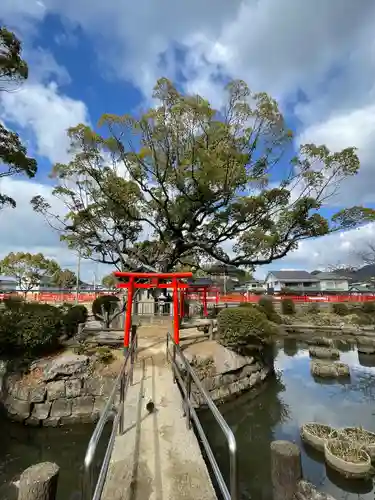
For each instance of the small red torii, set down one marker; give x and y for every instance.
(154, 282)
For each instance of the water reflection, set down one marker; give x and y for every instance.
(24, 446)
(283, 406)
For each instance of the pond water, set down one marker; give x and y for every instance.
(293, 398)
(22, 446)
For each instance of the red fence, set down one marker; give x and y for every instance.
(236, 298)
(56, 297)
(231, 298)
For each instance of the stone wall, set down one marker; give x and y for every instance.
(223, 373)
(57, 392)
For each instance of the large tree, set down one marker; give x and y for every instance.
(183, 179)
(65, 278)
(28, 269)
(109, 281)
(13, 71)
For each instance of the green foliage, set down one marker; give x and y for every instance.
(267, 307)
(288, 307)
(313, 308)
(64, 278)
(239, 327)
(13, 302)
(187, 169)
(340, 308)
(73, 317)
(30, 330)
(107, 302)
(368, 307)
(12, 67)
(104, 355)
(13, 155)
(363, 319)
(109, 281)
(28, 269)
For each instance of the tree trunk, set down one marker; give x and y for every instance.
(286, 469)
(39, 482)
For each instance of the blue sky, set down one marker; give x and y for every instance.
(92, 57)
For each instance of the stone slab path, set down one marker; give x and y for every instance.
(157, 457)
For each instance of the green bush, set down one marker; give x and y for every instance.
(267, 307)
(239, 327)
(363, 319)
(368, 307)
(340, 309)
(13, 302)
(313, 308)
(30, 329)
(288, 307)
(73, 317)
(107, 302)
(104, 355)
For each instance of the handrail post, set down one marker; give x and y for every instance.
(233, 473)
(121, 408)
(174, 362)
(88, 482)
(134, 345)
(188, 393)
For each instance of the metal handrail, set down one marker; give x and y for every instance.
(92, 490)
(191, 414)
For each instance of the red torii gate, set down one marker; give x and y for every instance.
(174, 282)
(201, 290)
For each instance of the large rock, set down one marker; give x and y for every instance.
(73, 387)
(224, 360)
(307, 491)
(65, 365)
(56, 390)
(38, 393)
(61, 408)
(20, 390)
(41, 410)
(17, 407)
(99, 386)
(82, 405)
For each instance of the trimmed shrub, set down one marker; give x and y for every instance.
(73, 317)
(340, 309)
(368, 307)
(30, 329)
(288, 307)
(239, 327)
(267, 307)
(107, 302)
(363, 319)
(313, 308)
(104, 355)
(13, 302)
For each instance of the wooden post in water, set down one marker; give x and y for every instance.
(39, 482)
(286, 470)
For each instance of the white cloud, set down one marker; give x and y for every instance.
(351, 128)
(43, 111)
(332, 250)
(23, 230)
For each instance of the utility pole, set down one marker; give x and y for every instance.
(78, 276)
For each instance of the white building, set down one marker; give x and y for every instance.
(331, 282)
(8, 284)
(301, 280)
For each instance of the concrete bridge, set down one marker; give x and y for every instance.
(153, 452)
